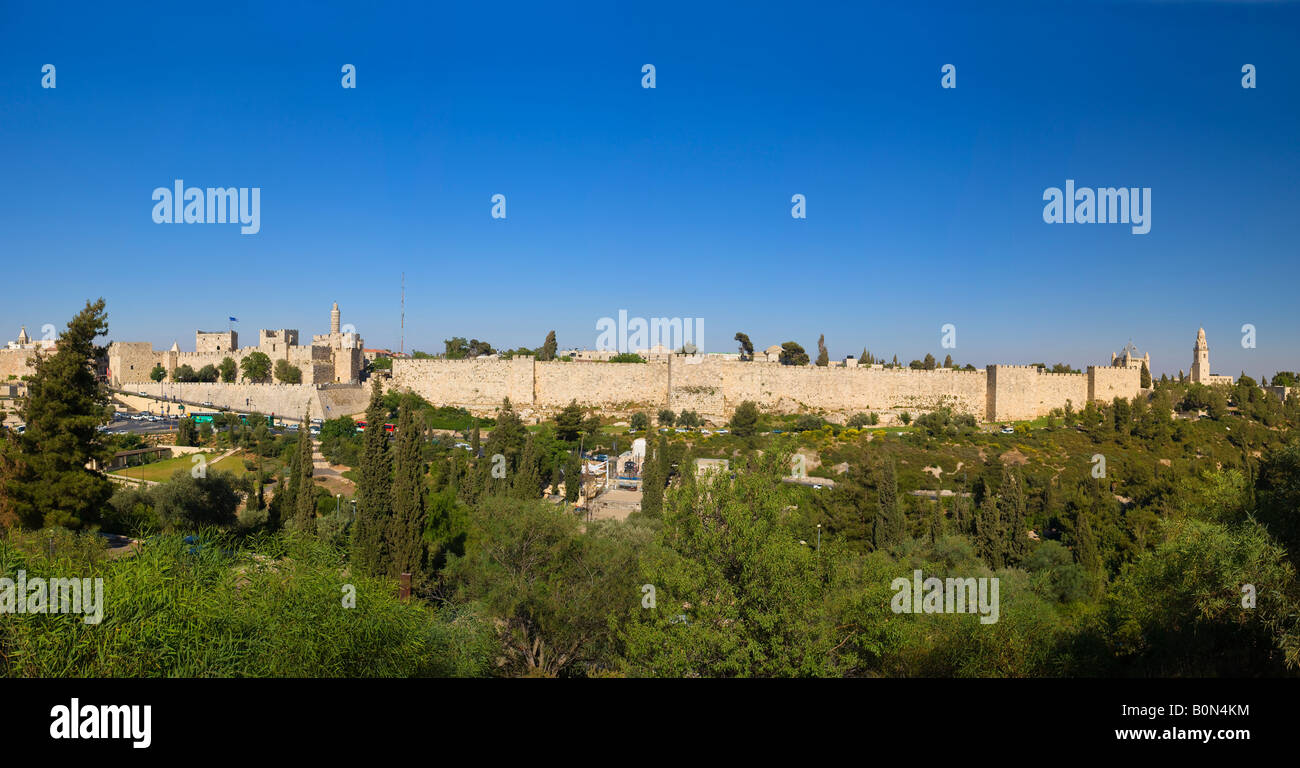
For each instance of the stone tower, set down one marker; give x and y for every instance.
(334, 318)
(23, 338)
(1201, 359)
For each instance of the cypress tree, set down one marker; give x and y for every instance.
(304, 515)
(573, 478)
(406, 532)
(1085, 550)
(374, 506)
(988, 533)
(653, 479)
(890, 526)
(936, 520)
(527, 481)
(1011, 498)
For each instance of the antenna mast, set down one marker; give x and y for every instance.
(401, 345)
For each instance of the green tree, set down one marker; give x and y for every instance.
(572, 477)
(823, 357)
(158, 373)
(568, 423)
(653, 479)
(890, 526)
(666, 417)
(228, 370)
(736, 594)
(304, 512)
(286, 373)
(1011, 500)
(373, 500)
(744, 420)
(409, 518)
(549, 348)
(49, 483)
(256, 367)
(640, 421)
(527, 482)
(793, 354)
(186, 432)
(746, 346)
(1145, 379)
(989, 532)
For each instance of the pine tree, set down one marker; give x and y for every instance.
(406, 531)
(49, 483)
(374, 505)
(823, 357)
(890, 525)
(947, 361)
(304, 514)
(1144, 379)
(475, 441)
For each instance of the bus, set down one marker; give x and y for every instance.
(361, 427)
(207, 417)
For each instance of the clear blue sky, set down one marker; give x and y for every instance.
(924, 204)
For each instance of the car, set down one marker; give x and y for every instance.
(207, 405)
(1008, 430)
(724, 431)
(466, 446)
(291, 426)
(705, 432)
(314, 430)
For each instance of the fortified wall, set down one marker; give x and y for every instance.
(287, 400)
(714, 388)
(13, 364)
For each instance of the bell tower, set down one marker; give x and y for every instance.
(1201, 359)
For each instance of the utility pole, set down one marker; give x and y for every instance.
(401, 344)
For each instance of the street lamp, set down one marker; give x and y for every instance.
(819, 537)
(338, 500)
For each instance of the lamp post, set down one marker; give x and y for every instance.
(819, 537)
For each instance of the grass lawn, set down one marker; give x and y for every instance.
(161, 471)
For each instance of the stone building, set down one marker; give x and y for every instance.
(332, 358)
(1128, 358)
(1201, 363)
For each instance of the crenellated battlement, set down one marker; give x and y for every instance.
(714, 387)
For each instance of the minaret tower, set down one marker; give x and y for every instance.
(334, 318)
(1201, 359)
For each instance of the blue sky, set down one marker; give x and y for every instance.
(924, 204)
